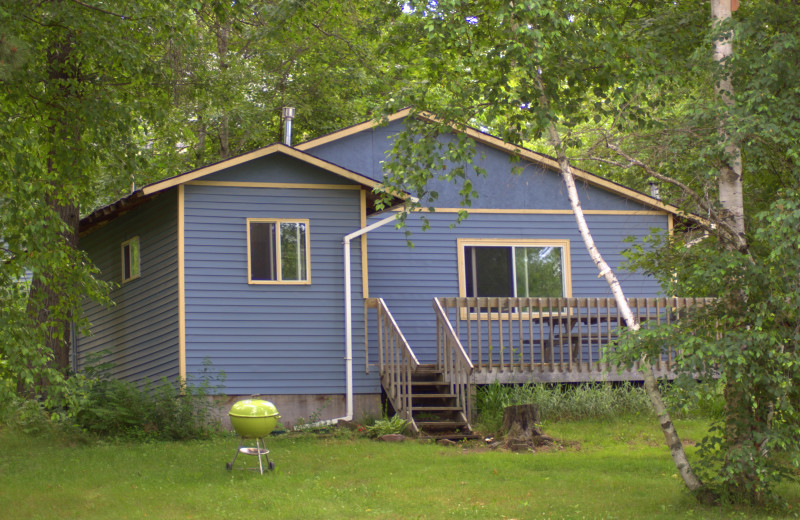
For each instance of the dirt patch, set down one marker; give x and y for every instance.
(491, 444)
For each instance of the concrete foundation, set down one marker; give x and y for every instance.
(303, 409)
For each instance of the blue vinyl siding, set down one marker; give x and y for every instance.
(362, 152)
(276, 168)
(271, 339)
(409, 278)
(535, 187)
(140, 332)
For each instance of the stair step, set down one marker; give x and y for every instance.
(441, 424)
(428, 383)
(449, 436)
(432, 396)
(436, 408)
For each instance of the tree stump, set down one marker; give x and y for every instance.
(521, 427)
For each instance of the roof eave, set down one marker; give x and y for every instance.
(140, 196)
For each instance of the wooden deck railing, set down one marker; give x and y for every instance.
(551, 334)
(397, 362)
(453, 361)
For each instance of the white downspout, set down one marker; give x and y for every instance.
(348, 323)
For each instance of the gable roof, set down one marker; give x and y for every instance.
(149, 191)
(543, 160)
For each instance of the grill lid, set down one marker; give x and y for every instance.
(253, 408)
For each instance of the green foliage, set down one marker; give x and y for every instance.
(166, 411)
(749, 337)
(237, 64)
(28, 417)
(67, 117)
(386, 426)
(601, 401)
(109, 408)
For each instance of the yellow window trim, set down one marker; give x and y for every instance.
(463, 243)
(138, 259)
(279, 221)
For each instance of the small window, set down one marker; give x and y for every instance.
(130, 259)
(278, 251)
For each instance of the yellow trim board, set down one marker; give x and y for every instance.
(278, 185)
(506, 211)
(263, 152)
(364, 259)
(181, 286)
(278, 270)
(352, 130)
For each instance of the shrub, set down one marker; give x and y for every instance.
(385, 426)
(560, 402)
(26, 416)
(603, 401)
(166, 411)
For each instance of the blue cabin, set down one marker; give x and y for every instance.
(277, 268)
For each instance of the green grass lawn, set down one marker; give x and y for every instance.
(609, 470)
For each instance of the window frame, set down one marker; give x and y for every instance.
(464, 243)
(277, 246)
(135, 268)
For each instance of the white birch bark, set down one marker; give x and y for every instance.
(730, 181)
(667, 427)
(732, 204)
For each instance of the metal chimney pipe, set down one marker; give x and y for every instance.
(287, 114)
(654, 190)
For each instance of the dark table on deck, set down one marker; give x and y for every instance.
(568, 330)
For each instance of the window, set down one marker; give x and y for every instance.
(278, 251)
(130, 259)
(523, 268)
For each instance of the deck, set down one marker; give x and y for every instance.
(517, 340)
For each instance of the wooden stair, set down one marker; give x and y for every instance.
(434, 409)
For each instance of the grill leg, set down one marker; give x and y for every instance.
(229, 466)
(258, 452)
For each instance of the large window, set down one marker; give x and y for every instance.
(524, 268)
(130, 260)
(278, 251)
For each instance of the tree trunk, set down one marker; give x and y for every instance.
(670, 434)
(738, 411)
(223, 36)
(730, 179)
(521, 428)
(200, 147)
(45, 300)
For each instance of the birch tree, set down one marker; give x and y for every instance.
(564, 73)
